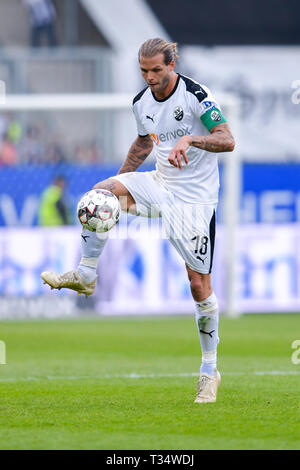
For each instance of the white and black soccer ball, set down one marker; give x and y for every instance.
(98, 210)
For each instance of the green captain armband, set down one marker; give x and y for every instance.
(212, 118)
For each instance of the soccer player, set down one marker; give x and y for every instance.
(183, 122)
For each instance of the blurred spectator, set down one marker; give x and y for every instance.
(10, 127)
(42, 143)
(3, 126)
(14, 131)
(53, 210)
(55, 152)
(42, 19)
(8, 152)
(32, 148)
(94, 153)
(86, 153)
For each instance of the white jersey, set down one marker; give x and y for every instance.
(190, 109)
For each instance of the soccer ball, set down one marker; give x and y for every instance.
(98, 210)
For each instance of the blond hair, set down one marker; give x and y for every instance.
(155, 46)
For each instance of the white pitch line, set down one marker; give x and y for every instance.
(133, 375)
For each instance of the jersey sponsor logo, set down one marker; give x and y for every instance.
(171, 135)
(215, 116)
(178, 113)
(155, 138)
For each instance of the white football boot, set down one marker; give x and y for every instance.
(207, 387)
(70, 280)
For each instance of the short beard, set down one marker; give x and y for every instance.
(164, 83)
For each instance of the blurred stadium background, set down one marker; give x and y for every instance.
(68, 72)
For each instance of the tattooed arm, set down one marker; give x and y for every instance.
(219, 140)
(138, 152)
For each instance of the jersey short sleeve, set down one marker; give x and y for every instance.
(140, 128)
(135, 108)
(206, 109)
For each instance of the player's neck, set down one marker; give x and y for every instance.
(169, 88)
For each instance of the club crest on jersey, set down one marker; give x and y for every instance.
(178, 113)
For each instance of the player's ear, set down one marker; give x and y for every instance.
(172, 64)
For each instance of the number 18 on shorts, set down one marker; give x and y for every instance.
(191, 230)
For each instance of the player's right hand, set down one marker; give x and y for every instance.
(179, 151)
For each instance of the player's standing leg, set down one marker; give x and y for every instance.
(207, 319)
(83, 279)
(191, 230)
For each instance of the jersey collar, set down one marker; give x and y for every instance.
(172, 92)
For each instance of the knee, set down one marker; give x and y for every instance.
(105, 184)
(109, 185)
(126, 200)
(200, 286)
(197, 284)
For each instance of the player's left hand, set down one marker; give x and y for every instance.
(179, 151)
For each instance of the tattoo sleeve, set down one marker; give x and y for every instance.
(138, 152)
(219, 140)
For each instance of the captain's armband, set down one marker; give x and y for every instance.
(212, 118)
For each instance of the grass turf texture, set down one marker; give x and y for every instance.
(56, 392)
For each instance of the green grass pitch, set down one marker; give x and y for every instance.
(68, 384)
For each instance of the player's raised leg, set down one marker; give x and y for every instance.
(93, 243)
(207, 319)
(83, 279)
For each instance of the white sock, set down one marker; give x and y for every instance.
(207, 319)
(92, 245)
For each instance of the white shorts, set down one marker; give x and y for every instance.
(190, 227)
